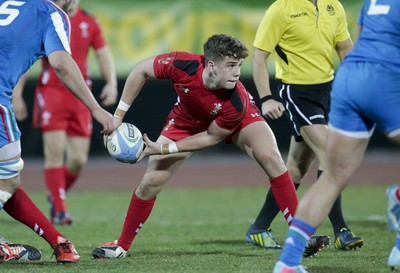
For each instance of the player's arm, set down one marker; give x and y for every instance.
(270, 108)
(342, 48)
(211, 137)
(68, 72)
(133, 85)
(18, 102)
(109, 93)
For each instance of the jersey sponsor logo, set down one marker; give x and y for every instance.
(165, 60)
(301, 14)
(330, 9)
(217, 108)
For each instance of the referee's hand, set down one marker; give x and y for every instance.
(272, 109)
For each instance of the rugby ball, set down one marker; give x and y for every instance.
(126, 143)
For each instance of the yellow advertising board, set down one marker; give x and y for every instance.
(138, 29)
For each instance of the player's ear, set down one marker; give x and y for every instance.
(211, 66)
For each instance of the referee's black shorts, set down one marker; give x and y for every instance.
(305, 104)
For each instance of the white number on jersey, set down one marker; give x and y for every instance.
(11, 13)
(375, 9)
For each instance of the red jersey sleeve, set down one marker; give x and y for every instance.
(98, 40)
(164, 66)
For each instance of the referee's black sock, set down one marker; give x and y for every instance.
(336, 213)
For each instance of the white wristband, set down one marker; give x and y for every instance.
(123, 106)
(169, 148)
(172, 148)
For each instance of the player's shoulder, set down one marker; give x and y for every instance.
(282, 7)
(187, 62)
(41, 10)
(185, 55)
(285, 4)
(46, 6)
(86, 14)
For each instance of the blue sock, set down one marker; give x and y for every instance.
(298, 236)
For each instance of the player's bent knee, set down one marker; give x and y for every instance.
(11, 168)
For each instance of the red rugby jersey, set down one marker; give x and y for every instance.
(85, 33)
(196, 101)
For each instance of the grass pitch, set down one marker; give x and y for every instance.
(201, 230)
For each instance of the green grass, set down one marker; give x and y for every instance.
(201, 230)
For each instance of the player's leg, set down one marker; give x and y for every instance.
(258, 141)
(9, 182)
(77, 154)
(54, 145)
(393, 216)
(299, 159)
(22, 209)
(393, 194)
(18, 205)
(159, 170)
(79, 132)
(345, 147)
(315, 136)
(344, 155)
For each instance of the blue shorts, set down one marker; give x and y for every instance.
(365, 95)
(9, 131)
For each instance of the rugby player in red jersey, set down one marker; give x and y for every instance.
(213, 106)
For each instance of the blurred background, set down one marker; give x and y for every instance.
(137, 29)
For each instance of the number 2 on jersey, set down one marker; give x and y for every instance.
(375, 9)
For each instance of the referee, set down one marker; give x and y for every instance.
(303, 34)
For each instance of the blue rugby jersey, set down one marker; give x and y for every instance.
(379, 40)
(29, 29)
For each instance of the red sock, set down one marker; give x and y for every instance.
(56, 186)
(397, 193)
(285, 195)
(21, 208)
(70, 178)
(138, 212)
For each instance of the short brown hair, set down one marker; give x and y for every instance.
(220, 46)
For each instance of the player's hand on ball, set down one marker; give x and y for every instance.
(106, 137)
(105, 119)
(151, 148)
(125, 144)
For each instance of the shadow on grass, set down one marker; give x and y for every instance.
(222, 242)
(197, 253)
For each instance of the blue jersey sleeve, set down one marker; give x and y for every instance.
(57, 34)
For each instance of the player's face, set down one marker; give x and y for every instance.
(74, 6)
(227, 72)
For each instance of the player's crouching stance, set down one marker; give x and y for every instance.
(213, 106)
